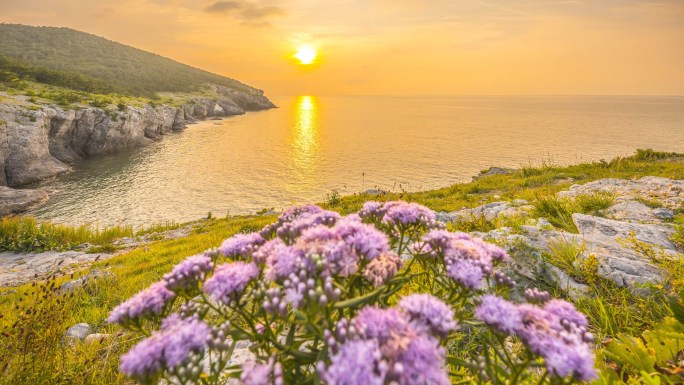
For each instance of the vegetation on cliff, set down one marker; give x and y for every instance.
(84, 62)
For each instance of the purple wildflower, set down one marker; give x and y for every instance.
(567, 311)
(372, 211)
(435, 242)
(289, 231)
(408, 214)
(295, 212)
(428, 312)
(167, 348)
(365, 240)
(357, 362)
(465, 272)
(151, 301)
(230, 280)
(241, 245)
(281, 260)
(269, 373)
(498, 313)
(556, 333)
(188, 273)
(381, 269)
(382, 324)
(564, 350)
(422, 363)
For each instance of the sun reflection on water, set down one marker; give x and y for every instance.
(304, 142)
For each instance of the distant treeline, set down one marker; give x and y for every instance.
(78, 60)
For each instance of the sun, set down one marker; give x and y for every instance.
(306, 55)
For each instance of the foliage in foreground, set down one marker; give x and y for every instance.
(319, 299)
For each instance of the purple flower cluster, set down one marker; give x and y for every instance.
(241, 245)
(398, 214)
(428, 312)
(269, 373)
(391, 345)
(188, 273)
(293, 221)
(149, 302)
(467, 260)
(171, 346)
(229, 281)
(556, 331)
(381, 269)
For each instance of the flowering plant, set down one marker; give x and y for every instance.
(384, 296)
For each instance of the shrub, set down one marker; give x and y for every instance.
(321, 298)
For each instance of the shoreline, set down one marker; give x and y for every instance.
(42, 142)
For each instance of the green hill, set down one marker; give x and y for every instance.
(81, 61)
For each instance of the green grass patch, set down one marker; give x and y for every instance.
(27, 234)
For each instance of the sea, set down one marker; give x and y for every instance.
(310, 146)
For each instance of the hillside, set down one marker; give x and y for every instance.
(85, 62)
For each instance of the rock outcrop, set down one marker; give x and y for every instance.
(15, 201)
(617, 238)
(37, 144)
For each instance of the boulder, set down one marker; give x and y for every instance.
(15, 201)
(493, 171)
(77, 333)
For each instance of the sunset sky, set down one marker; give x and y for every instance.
(398, 47)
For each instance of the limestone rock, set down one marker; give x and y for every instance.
(631, 211)
(16, 201)
(617, 261)
(78, 332)
(18, 268)
(493, 171)
(489, 211)
(667, 192)
(663, 213)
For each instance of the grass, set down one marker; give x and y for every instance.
(611, 309)
(558, 210)
(26, 234)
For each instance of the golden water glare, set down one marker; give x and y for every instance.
(304, 142)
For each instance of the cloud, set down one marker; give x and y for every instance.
(223, 6)
(246, 11)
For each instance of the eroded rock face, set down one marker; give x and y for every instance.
(15, 201)
(38, 144)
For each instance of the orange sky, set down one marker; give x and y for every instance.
(399, 47)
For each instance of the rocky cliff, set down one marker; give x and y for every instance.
(39, 143)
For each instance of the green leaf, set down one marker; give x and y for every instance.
(628, 350)
(360, 301)
(677, 307)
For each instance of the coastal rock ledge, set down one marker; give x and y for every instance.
(41, 143)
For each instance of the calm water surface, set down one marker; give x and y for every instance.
(310, 145)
